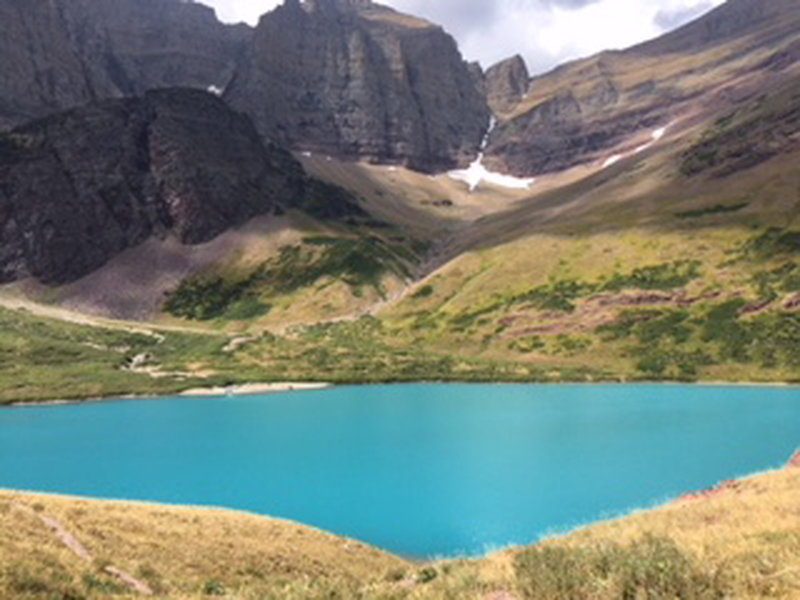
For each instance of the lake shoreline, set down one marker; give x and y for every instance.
(248, 389)
(257, 389)
(684, 499)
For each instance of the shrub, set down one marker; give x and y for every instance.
(423, 292)
(427, 575)
(214, 587)
(656, 277)
(652, 567)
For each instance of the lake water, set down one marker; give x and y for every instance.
(420, 470)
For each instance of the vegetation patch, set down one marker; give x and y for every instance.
(772, 242)
(203, 299)
(674, 344)
(717, 209)
(657, 277)
(359, 262)
(771, 284)
(557, 295)
(426, 291)
(747, 137)
(653, 567)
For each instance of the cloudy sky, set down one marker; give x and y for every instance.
(545, 32)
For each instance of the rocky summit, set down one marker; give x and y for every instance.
(506, 84)
(79, 187)
(353, 79)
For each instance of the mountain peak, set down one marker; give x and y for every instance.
(336, 5)
(506, 84)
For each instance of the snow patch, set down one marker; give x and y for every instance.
(307, 154)
(655, 137)
(485, 140)
(476, 173)
(217, 91)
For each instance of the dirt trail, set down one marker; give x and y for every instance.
(70, 316)
(79, 550)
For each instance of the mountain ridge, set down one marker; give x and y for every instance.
(581, 111)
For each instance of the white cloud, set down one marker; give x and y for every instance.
(545, 32)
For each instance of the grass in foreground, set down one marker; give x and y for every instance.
(743, 542)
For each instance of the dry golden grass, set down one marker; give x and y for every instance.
(749, 535)
(746, 539)
(180, 553)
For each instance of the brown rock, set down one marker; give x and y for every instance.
(79, 187)
(357, 80)
(506, 84)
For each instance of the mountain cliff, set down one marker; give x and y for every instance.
(79, 187)
(58, 55)
(506, 84)
(586, 110)
(353, 79)
(347, 78)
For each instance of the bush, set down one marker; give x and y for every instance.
(424, 292)
(427, 575)
(201, 299)
(652, 567)
(657, 277)
(214, 587)
(557, 295)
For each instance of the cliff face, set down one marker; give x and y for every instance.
(343, 77)
(354, 79)
(506, 85)
(42, 69)
(57, 55)
(79, 187)
(580, 112)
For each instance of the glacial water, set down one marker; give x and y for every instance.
(420, 470)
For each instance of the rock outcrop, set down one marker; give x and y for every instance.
(79, 187)
(57, 55)
(506, 84)
(588, 110)
(353, 79)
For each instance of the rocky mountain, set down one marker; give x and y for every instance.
(58, 55)
(79, 187)
(347, 78)
(506, 84)
(354, 79)
(587, 110)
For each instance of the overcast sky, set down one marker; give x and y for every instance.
(545, 32)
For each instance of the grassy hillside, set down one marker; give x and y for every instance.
(678, 262)
(672, 277)
(740, 541)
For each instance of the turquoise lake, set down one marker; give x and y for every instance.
(420, 470)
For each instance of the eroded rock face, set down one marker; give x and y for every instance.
(357, 80)
(79, 187)
(506, 84)
(42, 69)
(57, 55)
